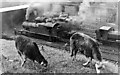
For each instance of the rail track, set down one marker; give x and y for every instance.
(109, 53)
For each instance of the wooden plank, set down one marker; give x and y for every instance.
(13, 8)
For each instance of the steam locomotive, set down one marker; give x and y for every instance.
(52, 28)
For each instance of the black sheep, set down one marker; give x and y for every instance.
(88, 45)
(29, 49)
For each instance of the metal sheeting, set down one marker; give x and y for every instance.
(31, 24)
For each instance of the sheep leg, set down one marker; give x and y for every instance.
(89, 60)
(24, 61)
(20, 56)
(97, 68)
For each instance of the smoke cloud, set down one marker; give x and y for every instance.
(99, 11)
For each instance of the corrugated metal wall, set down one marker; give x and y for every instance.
(11, 19)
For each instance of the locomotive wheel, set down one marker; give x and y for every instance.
(52, 39)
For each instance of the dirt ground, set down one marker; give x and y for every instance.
(59, 61)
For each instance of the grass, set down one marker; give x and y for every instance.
(59, 61)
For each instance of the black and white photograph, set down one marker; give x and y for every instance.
(59, 37)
